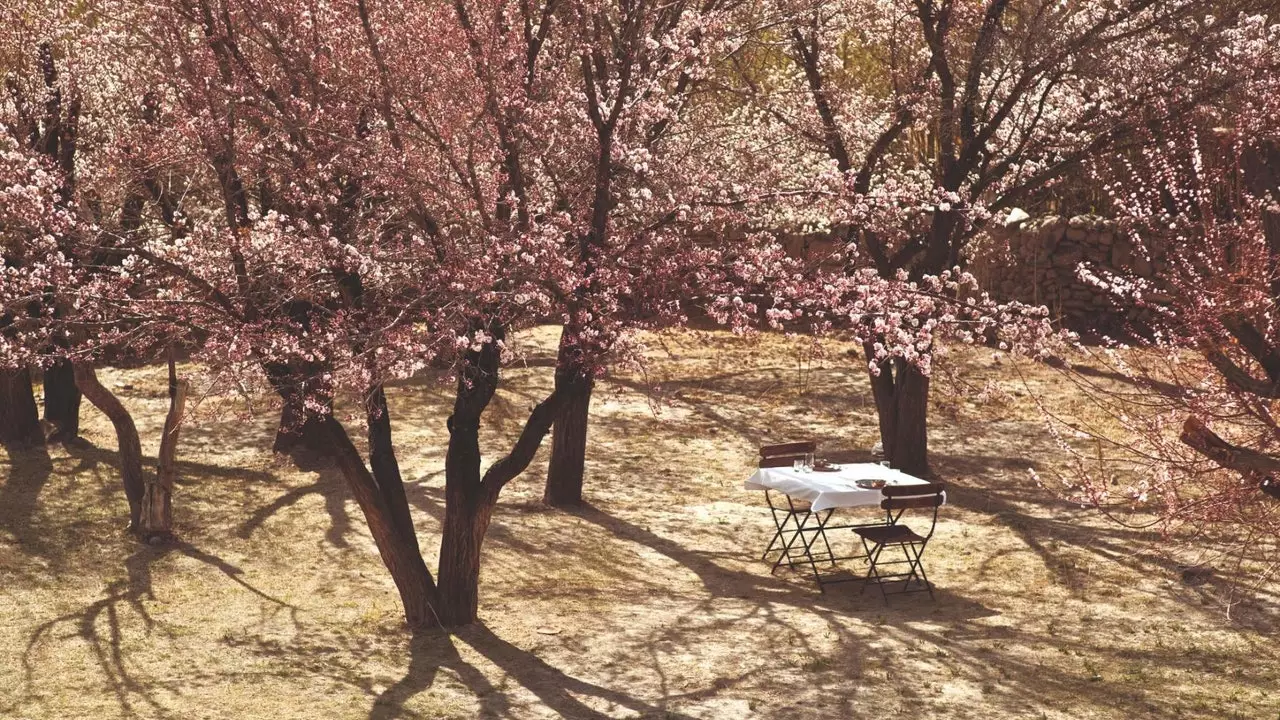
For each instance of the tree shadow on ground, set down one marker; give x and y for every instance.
(105, 627)
(794, 588)
(560, 692)
(1138, 383)
(91, 457)
(30, 468)
(1055, 528)
(329, 485)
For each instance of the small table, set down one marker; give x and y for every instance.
(825, 491)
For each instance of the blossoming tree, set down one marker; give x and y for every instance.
(1199, 451)
(358, 205)
(914, 122)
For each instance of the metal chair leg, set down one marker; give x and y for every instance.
(778, 526)
(789, 541)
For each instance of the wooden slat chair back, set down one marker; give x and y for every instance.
(784, 454)
(792, 518)
(896, 500)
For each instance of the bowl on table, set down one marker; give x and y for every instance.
(825, 466)
(870, 484)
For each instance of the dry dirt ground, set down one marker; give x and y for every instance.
(651, 602)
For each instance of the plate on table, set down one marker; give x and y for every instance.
(825, 467)
(870, 484)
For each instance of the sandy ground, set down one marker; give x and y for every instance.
(651, 602)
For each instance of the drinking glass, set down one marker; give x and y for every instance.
(797, 464)
(808, 460)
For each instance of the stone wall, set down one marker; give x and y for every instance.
(1037, 260)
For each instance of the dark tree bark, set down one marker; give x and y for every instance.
(157, 502)
(467, 507)
(567, 467)
(62, 401)
(901, 393)
(300, 428)
(126, 438)
(19, 417)
(381, 498)
(1258, 466)
(466, 519)
(470, 498)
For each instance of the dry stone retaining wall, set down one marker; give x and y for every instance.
(1037, 261)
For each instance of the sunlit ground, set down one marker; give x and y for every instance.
(651, 602)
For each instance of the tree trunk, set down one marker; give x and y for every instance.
(157, 502)
(62, 401)
(300, 428)
(381, 499)
(126, 437)
(466, 519)
(901, 393)
(469, 499)
(19, 417)
(466, 508)
(569, 442)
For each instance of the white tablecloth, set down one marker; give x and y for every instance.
(826, 490)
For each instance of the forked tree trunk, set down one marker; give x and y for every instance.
(19, 417)
(567, 467)
(126, 437)
(62, 401)
(382, 500)
(901, 393)
(157, 501)
(470, 498)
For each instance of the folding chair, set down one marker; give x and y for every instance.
(792, 518)
(897, 499)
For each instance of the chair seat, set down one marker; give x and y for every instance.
(889, 534)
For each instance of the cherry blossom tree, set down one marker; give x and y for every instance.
(40, 119)
(31, 220)
(339, 232)
(906, 125)
(1199, 447)
(70, 306)
(600, 129)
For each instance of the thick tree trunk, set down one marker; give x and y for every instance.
(466, 519)
(467, 507)
(901, 393)
(470, 498)
(300, 428)
(62, 401)
(567, 467)
(19, 417)
(382, 500)
(157, 501)
(126, 437)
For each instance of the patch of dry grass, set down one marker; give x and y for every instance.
(649, 603)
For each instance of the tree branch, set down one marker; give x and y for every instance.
(1247, 462)
(535, 429)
